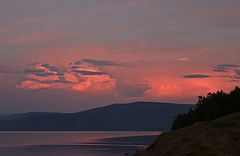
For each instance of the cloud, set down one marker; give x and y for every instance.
(32, 85)
(78, 63)
(228, 65)
(85, 72)
(196, 76)
(74, 67)
(225, 67)
(47, 76)
(101, 63)
(95, 82)
(61, 80)
(43, 70)
(219, 70)
(52, 68)
(237, 71)
(232, 71)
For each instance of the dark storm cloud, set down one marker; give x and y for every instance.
(45, 74)
(38, 72)
(52, 68)
(101, 63)
(196, 76)
(78, 63)
(235, 78)
(74, 67)
(42, 72)
(219, 70)
(228, 65)
(60, 73)
(85, 72)
(225, 67)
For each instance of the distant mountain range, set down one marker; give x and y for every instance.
(137, 116)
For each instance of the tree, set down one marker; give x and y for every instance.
(213, 106)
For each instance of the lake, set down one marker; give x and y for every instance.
(77, 143)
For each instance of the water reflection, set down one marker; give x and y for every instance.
(74, 143)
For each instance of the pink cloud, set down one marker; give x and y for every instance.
(165, 88)
(70, 80)
(95, 83)
(32, 85)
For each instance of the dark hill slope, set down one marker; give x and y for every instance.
(136, 116)
(219, 137)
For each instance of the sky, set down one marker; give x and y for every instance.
(69, 56)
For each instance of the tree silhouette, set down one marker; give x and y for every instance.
(213, 106)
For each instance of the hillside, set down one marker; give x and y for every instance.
(116, 117)
(219, 137)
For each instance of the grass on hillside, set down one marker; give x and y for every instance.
(220, 137)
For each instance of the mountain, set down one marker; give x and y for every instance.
(218, 137)
(137, 116)
(18, 116)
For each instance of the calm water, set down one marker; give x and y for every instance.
(81, 143)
